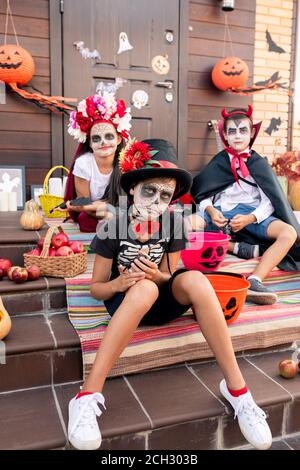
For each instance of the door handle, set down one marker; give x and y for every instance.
(165, 84)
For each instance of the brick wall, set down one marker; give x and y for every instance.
(276, 16)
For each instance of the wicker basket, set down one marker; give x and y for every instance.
(57, 266)
(48, 201)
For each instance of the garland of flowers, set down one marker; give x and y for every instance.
(99, 107)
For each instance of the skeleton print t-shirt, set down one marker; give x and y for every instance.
(115, 240)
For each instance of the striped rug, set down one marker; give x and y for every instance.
(181, 340)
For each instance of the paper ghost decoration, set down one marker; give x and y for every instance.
(124, 44)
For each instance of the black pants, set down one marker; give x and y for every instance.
(164, 309)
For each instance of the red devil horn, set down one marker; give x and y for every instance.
(224, 113)
(249, 111)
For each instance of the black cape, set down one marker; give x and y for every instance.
(217, 175)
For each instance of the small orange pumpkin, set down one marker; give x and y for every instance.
(230, 72)
(16, 64)
(5, 321)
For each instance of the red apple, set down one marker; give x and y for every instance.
(34, 252)
(52, 252)
(59, 240)
(40, 244)
(19, 275)
(288, 368)
(5, 264)
(10, 271)
(64, 251)
(1, 274)
(77, 247)
(33, 272)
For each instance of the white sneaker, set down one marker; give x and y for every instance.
(251, 418)
(83, 429)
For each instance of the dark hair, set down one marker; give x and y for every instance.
(113, 189)
(237, 116)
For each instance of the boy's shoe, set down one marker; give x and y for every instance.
(83, 429)
(246, 251)
(260, 294)
(251, 418)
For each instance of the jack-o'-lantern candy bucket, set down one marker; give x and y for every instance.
(231, 290)
(206, 250)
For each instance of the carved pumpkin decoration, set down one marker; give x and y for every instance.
(17, 68)
(5, 321)
(231, 290)
(16, 64)
(230, 72)
(206, 250)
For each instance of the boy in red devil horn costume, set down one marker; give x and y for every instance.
(239, 189)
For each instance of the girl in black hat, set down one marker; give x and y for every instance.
(135, 274)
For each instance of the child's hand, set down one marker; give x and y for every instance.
(238, 222)
(216, 216)
(143, 264)
(127, 279)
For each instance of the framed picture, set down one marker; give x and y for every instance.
(35, 191)
(12, 178)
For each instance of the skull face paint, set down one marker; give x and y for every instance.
(152, 197)
(238, 134)
(104, 139)
(211, 257)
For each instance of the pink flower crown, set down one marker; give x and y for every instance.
(100, 107)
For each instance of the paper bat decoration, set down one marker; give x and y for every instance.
(272, 83)
(85, 52)
(272, 45)
(272, 79)
(274, 125)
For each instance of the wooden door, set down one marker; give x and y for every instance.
(152, 27)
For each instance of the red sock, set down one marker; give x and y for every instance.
(82, 394)
(237, 393)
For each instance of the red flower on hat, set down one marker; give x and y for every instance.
(83, 122)
(136, 155)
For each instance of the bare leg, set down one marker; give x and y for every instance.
(138, 300)
(285, 236)
(192, 287)
(194, 223)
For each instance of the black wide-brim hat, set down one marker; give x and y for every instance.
(166, 156)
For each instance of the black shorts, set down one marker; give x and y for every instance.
(164, 309)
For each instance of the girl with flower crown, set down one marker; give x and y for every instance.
(101, 124)
(135, 274)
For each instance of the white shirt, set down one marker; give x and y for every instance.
(86, 167)
(241, 194)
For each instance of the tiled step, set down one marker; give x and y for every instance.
(41, 349)
(173, 408)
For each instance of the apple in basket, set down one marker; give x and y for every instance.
(33, 272)
(59, 240)
(77, 247)
(19, 275)
(34, 252)
(288, 368)
(40, 244)
(5, 264)
(64, 251)
(52, 252)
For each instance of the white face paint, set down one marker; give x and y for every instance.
(104, 139)
(152, 197)
(238, 134)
